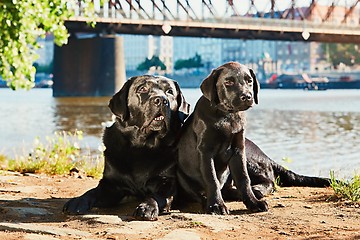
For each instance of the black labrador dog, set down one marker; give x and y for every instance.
(264, 172)
(212, 144)
(140, 155)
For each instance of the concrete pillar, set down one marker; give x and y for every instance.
(89, 67)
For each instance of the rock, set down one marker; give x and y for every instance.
(25, 211)
(44, 229)
(182, 234)
(32, 236)
(110, 219)
(134, 227)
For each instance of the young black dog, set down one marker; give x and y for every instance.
(213, 140)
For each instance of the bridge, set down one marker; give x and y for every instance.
(288, 20)
(323, 23)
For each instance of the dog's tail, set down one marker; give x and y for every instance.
(286, 177)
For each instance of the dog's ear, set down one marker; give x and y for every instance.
(118, 104)
(208, 86)
(183, 106)
(256, 86)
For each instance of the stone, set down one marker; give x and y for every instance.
(181, 234)
(43, 229)
(110, 219)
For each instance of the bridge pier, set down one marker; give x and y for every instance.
(89, 67)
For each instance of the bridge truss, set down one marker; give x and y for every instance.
(291, 20)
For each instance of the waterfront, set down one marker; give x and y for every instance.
(318, 130)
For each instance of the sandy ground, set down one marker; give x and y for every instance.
(30, 208)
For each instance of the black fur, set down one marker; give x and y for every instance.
(140, 153)
(263, 172)
(213, 140)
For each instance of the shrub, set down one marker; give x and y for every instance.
(58, 155)
(346, 189)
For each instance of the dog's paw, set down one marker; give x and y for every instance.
(147, 211)
(217, 208)
(261, 190)
(258, 194)
(257, 206)
(78, 205)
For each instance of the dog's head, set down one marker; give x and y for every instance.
(151, 109)
(231, 87)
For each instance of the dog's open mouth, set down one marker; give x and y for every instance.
(157, 123)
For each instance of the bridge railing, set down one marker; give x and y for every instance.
(197, 10)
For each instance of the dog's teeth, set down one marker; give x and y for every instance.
(160, 118)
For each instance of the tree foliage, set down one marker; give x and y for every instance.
(349, 54)
(21, 24)
(194, 62)
(153, 62)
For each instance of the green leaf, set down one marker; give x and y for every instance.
(21, 24)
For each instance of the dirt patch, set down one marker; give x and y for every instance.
(31, 208)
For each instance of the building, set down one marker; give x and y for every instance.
(293, 56)
(211, 52)
(260, 55)
(166, 49)
(186, 47)
(136, 49)
(139, 47)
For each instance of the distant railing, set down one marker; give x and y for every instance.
(205, 11)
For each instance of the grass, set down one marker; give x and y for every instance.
(346, 189)
(277, 182)
(57, 155)
(2, 158)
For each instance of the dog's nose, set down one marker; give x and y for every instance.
(159, 100)
(246, 97)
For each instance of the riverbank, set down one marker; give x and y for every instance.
(31, 209)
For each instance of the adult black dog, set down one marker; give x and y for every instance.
(264, 172)
(213, 140)
(140, 155)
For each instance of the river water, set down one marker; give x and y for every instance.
(318, 130)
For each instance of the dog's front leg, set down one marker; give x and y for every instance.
(106, 194)
(215, 203)
(240, 174)
(163, 190)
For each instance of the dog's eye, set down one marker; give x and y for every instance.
(249, 80)
(229, 83)
(142, 89)
(170, 91)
